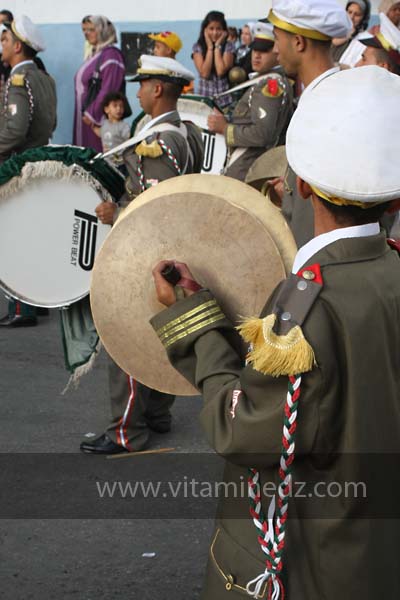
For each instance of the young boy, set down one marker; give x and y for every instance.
(114, 130)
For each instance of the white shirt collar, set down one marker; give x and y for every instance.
(316, 244)
(24, 62)
(155, 120)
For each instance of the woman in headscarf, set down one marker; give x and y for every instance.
(107, 68)
(390, 8)
(243, 53)
(359, 12)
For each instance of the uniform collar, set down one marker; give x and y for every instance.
(25, 62)
(321, 241)
(168, 117)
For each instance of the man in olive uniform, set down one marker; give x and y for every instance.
(28, 118)
(383, 49)
(303, 31)
(165, 148)
(262, 115)
(320, 392)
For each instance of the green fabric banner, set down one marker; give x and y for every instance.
(105, 174)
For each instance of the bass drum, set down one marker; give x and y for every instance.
(49, 232)
(196, 109)
(234, 241)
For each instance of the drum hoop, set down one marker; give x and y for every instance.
(11, 293)
(52, 169)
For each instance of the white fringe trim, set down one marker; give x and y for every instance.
(83, 370)
(51, 169)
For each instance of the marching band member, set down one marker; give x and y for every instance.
(262, 115)
(169, 149)
(29, 116)
(322, 372)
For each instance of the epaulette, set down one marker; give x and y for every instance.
(273, 87)
(18, 80)
(278, 345)
(149, 148)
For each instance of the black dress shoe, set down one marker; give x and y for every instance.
(159, 426)
(102, 445)
(18, 321)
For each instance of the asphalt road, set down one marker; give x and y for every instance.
(59, 538)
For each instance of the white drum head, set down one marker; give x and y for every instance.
(49, 237)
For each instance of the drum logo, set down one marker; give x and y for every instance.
(84, 235)
(209, 150)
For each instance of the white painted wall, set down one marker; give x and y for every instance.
(72, 11)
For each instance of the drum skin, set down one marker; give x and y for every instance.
(49, 238)
(234, 242)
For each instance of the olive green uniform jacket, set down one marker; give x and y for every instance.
(259, 122)
(29, 115)
(159, 168)
(349, 403)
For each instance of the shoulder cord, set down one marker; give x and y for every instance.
(170, 155)
(30, 97)
(273, 528)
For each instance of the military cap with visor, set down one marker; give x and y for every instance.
(165, 69)
(329, 143)
(315, 19)
(27, 32)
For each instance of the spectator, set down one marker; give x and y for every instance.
(243, 54)
(166, 44)
(345, 50)
(6, 16)
(101, 74)
(114, 130)
(390, 8)
(213, 57)
(87, 48)
(233, 36)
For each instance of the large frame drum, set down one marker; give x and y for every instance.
(234, 241)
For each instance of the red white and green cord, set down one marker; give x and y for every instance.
(273, 528)
(171, 156)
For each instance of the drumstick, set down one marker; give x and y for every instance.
(141, 453)
(243, 86)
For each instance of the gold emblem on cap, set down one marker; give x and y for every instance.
(309, 275)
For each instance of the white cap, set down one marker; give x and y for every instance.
(344, 138)
(315, 19)
(390, 34)
(263, 31)
(26, 31)
(160, 67)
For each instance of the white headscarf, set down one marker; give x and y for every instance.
(106, 34)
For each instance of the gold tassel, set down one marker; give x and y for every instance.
(152, 150)
(274, 354)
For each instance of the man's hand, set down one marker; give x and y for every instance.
(278, 186)
(105, 212)
(217, 122)
(164, 290)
